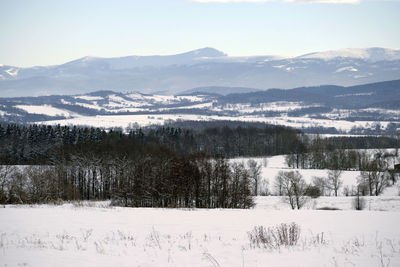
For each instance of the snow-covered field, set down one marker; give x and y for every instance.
(109, 110)
(46, 110)
(97, 234)
(110, 121)
(94, 234)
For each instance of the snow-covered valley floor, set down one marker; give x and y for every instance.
(95, 234)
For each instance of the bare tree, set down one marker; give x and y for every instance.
(294, 188)
(255, 175)
(17, 189)
(322, 184)
(264, 188)
(278, 184)
(6, 171)
(358, 201)
(334, 181)
(375, 176)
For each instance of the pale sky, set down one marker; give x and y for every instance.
(45, 32)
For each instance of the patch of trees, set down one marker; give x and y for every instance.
(150, 180)
(36, 144)
(296, 191)
(159, 168)
(166, 166)
(374, 177)
(42, 144)
(375, 169)
(338, 153)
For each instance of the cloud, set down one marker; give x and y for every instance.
(325, 1)
(230, 1)
(290, 1)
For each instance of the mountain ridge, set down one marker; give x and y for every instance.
(204, 67)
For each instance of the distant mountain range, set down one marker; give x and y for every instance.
(205, 68)
(367, 109)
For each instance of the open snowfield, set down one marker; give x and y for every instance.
(97, 234)
(94, 234)
(124, 121)
(47, 110)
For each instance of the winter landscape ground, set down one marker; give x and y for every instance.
(200, 133)
(94, 234)
(98, 234)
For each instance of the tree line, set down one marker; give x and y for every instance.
(34, 144)
(161, 180)
(157, 168)
(340, 153)
(39, 144)
(153, 167)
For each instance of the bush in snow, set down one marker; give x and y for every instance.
(313, 191)
(274, 237)
(358, 202)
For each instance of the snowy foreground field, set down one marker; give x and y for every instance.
(95, 234)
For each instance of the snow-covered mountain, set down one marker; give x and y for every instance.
(205, 67)
(373, 54)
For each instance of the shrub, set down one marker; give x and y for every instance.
(358, 202)
(313, 192)
(328, 208)
(274, 237)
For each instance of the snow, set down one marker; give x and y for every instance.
(156, 105)
(65, 102)
(90, 106)
(89, 58)
(12, 72)
(98, 235)
(343, 114)
(88, 97)
(159, 119)
(197, 106)
(369, 54)
(46, 110)
(3, 113)
(358, 94)
(119, 102)
(278, 106)
(346, 69)
(383, 111)
(163, 99)
(382, 203)
(279, 66)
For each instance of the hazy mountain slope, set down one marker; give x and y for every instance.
(334, 96)
(205, 67)
(372, 54)
(220, 90)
